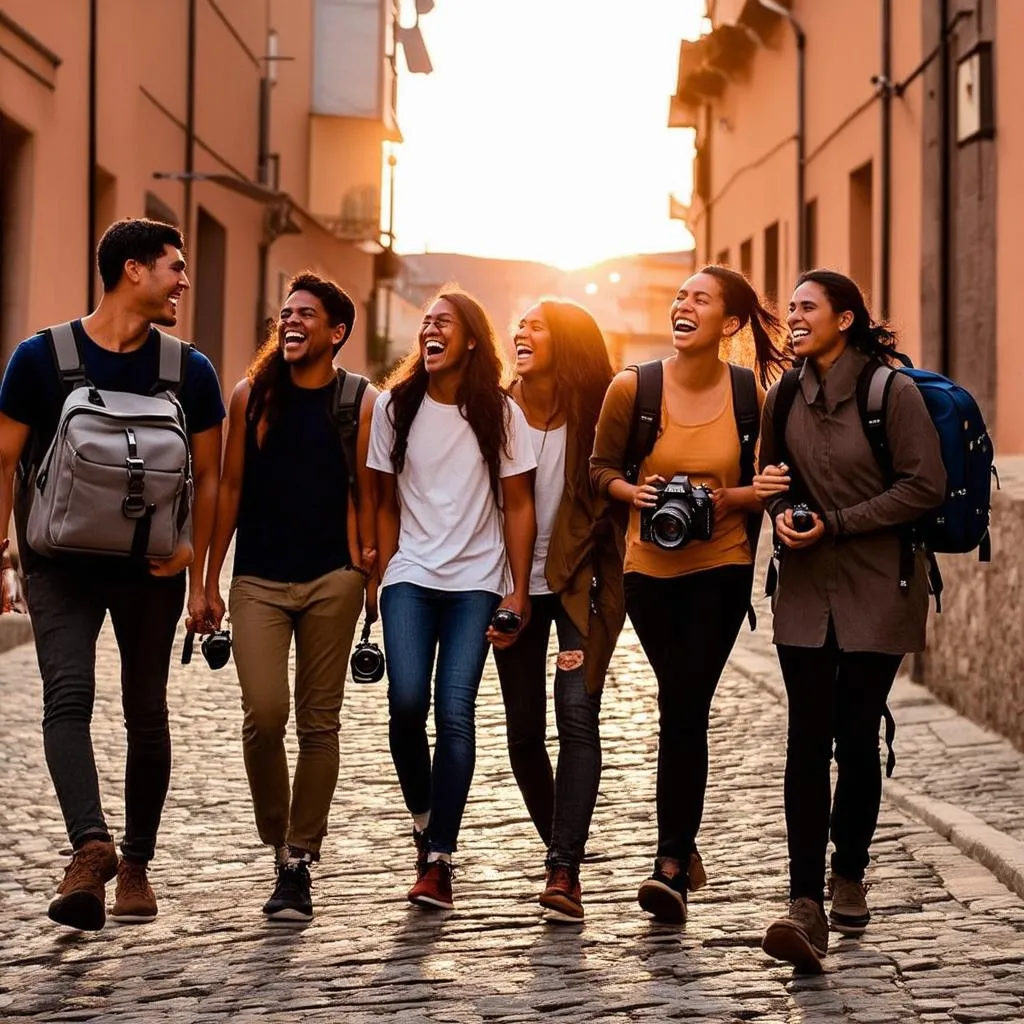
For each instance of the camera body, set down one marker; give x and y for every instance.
(215, 648)
(683, 512)
(803, 518)
(506, 621)
(367, 661)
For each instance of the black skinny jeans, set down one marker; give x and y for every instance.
(561, 805)
(687, 626)
(68, 608)
(835, 697)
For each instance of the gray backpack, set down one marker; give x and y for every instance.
(117, 477)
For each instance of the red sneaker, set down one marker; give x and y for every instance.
(433, 891)
(562, 898)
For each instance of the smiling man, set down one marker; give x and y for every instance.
(119, 350)
(295, 486)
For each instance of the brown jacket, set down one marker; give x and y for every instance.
(852, 573)
(584, 567)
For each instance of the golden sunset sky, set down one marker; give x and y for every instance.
(541, 133)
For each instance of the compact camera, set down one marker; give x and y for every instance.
(683, 513)
(215, 648)
(367, 662)
(506, 621)
(803, 518)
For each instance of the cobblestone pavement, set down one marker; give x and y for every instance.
(946, 942)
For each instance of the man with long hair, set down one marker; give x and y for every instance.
(142, 266)
(456, 529)
(303, 505)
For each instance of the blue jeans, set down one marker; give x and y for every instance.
(418, 624)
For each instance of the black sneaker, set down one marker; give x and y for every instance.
(664, 897)
(291, 900)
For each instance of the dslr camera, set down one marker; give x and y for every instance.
(215, 646)
(683, 513)
(367, 661)
(506, 621)
(803, 518)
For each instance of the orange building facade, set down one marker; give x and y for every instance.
(881, 138)
(245, 123)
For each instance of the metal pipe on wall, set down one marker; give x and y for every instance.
(885, 170)
(945, 179)
(91, 177)
(190, 119)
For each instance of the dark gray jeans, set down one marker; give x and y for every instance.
(68, 608)
(560, 804)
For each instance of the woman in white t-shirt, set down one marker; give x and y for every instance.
(576, 586)
(455, 536)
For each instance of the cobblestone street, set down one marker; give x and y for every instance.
(946, 941)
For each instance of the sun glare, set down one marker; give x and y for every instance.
(541, 134)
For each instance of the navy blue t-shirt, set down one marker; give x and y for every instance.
(32, 392)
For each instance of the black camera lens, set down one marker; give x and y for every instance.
(367, 661)
(506, 621)
(216, 648)
(670, 525)
(803, 519)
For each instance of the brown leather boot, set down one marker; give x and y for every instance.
(134, 902)
(81, 896)
(801, 937)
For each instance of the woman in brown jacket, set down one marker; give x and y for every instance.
(576, 585)
(687, 603)
(846, 608)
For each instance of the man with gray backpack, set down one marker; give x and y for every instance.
(110, 438)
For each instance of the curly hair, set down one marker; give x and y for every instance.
(582, 369)
(480, 396)
(877, 340)
(268, 372)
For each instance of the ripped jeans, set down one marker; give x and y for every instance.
(561, 804)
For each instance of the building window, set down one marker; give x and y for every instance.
(747, 258)
(861, 229)
(722, 259)
(771, 262)
(811, 235)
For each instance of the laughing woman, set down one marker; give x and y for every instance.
(454, 462)
(575, 586)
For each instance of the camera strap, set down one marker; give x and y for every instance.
(646, 416)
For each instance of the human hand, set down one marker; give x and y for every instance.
(723, 500)
(11, 599)
(215, 608)
(771, 482)
(176, 563)
(520, 604)
(645, 495)
(794, 539)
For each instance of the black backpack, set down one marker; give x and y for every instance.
(348, 399)
(647, 418)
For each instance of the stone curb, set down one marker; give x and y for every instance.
(14, 631)
(997, 852)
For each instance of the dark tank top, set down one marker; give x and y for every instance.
(292, 517)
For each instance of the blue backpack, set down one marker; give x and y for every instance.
(961, 523)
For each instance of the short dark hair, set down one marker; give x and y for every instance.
(337, 303)
(136, 239)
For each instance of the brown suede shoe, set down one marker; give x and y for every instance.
(134, 902)
(696, 876)
(800, 938)
(81, 896)
(849, 914)
(562, 898)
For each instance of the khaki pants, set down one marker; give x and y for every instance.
(322, 615)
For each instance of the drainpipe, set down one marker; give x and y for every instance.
(885, 171)
(945, 213)
(92, 176)
(190, 118)
(801, 142)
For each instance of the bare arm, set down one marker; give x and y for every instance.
(228, 498)
(520, 535)
(13, 438)
(366, 554)
(387, 520)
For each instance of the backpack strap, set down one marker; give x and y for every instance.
(67, 356)
(785, 396)
(646, 416)
(748, 427)
(171, 372)
(348, 399)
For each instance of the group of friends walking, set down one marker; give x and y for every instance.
(485, 510)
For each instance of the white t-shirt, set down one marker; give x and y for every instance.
(549, 447)
(450, 537)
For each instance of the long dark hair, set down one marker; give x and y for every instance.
(582, 370)
(742, 301)
(877, 340)
(480, 397)
(268, 373)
